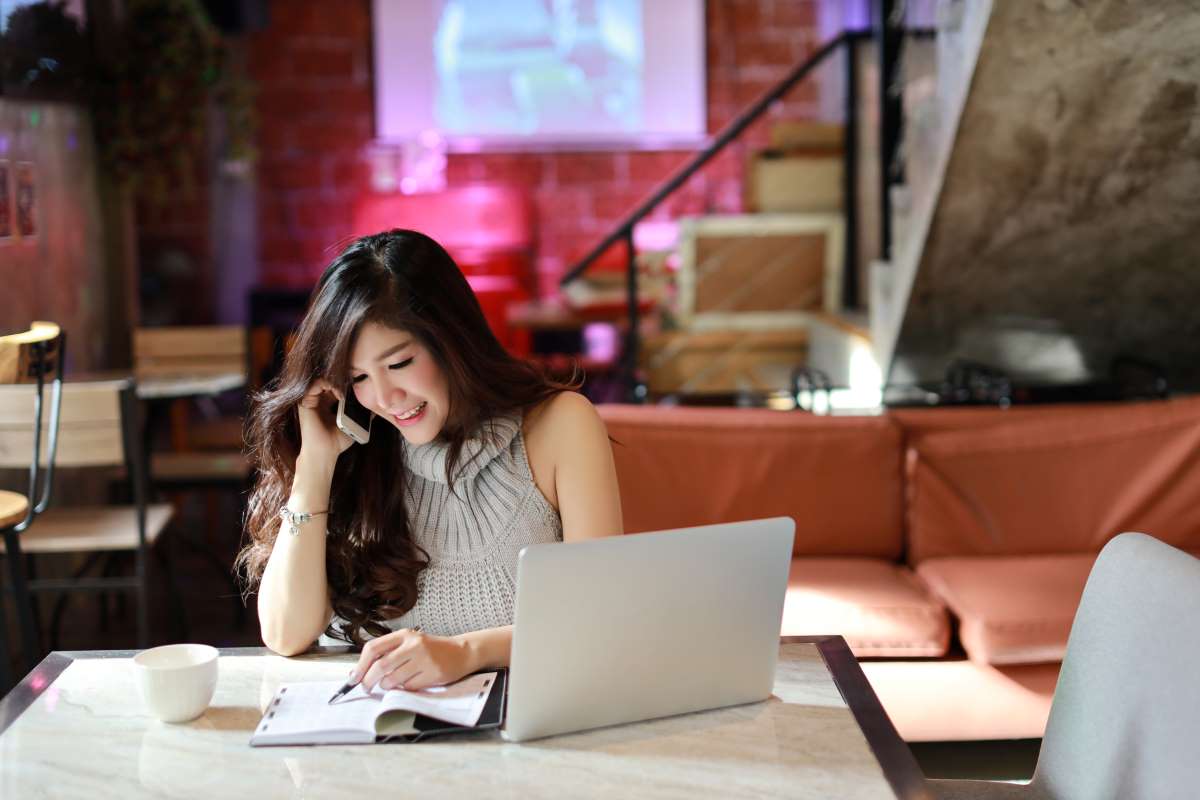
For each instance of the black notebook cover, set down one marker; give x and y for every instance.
(491, 717)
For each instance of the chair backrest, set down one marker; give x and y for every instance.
(91, 427)
(1125, 721)
(199, 350)
(21, 353)
(31, 357)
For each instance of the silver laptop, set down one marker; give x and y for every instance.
(646, 625)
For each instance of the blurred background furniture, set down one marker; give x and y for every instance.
(195, 378)
(801, 171)
(189, 368)
(739, 331)
(29, 357)
(949, 547)
(177, 363)
(98, 429)
(1126, 713)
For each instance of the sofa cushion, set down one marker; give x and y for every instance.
(1011, 609)
(1065, 484)
(839, 478)
(879, 607)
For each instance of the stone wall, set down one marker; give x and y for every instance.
(1067, 228)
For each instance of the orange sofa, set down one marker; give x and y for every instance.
(948, 546)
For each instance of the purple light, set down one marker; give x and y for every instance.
(856, 15)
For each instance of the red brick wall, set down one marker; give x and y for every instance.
(175, 252)
(313, 68)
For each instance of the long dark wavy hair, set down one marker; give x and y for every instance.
(403, 280)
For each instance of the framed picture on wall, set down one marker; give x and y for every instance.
(25, 201)
(6, 226)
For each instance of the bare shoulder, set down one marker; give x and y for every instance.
(572, 462)
(559, 428)
(565, 413)
(561, 433)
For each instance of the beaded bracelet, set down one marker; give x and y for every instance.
(295, 519)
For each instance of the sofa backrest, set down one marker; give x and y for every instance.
(839, 478)
(1064, 481)
(919, 422)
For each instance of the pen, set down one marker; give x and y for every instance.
(349, 685)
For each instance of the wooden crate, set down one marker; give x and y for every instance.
(783, 182)
(807, 135)
(759, 271)
(722, 361)
(800, 172)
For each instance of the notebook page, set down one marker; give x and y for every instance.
(460, 703)
(300, 713)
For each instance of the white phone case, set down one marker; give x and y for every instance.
(351, 428)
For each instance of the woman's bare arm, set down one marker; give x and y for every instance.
(293, 597)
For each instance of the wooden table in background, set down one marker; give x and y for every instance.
(170, 387)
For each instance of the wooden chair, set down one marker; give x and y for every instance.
(173, 364)
(190, 350)
(29, 357)
(98, 427)
(188, 357)
(181, 370)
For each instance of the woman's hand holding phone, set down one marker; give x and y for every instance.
(320, 440)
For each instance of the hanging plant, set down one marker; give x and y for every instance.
(43, 54)
(152, 99)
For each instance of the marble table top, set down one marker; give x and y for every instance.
(76, 727)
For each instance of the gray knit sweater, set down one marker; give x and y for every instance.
(473, 533)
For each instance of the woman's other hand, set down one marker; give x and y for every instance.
(320, 440)
(411, 659)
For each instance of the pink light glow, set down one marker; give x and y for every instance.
(656, 234)
(479, 218)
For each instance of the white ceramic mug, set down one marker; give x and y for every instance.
(177, 680)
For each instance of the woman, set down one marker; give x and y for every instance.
(413, 537)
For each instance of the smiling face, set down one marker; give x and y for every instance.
(396, 377)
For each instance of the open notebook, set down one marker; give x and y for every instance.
(300, 713)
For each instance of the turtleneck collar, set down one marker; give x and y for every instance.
(491, 438)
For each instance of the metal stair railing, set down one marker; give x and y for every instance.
(623, 231)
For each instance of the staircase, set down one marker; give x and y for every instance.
(1045, 230)
(733, 294)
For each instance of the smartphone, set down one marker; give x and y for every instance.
(353, 419)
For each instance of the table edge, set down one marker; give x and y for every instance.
(900, 767)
